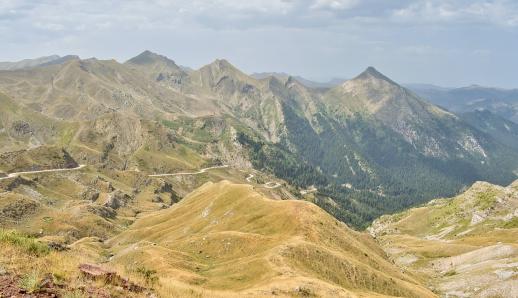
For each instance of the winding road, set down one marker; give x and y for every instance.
(269, 185)
(272, 185)
(14, 175)
(190, 173)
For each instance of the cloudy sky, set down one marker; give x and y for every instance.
(444, 42)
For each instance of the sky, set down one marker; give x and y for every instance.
(444, 42)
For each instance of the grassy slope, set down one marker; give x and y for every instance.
(213, 240)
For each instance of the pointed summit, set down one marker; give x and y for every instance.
(373, 93)
(222, 68)
(372, 69)
(373, 73)
(222, 65)
(148, 57)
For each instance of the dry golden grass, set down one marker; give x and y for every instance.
(227, 238)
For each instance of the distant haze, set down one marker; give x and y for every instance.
(441, 42)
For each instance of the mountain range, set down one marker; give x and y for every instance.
(369, 145)
(503, 102)
(28, 63)
(308, 83)
(212, 182)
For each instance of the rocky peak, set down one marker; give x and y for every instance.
(222, 66)
(148, 57)
(372, 73)
(222, 72)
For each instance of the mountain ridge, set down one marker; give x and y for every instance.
(221, 231)
(369, 132)
(503, 102)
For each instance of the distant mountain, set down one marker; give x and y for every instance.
(27, 63)
(308, 83)
(421, 124)
(503, 102)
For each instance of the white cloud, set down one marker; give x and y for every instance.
(6, 5)
(329, 36)
(262, 6)
(497, 12)
(334, 4)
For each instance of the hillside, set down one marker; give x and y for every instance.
(212, 240)
(465, 246)
(505, 131)
(210, 243)
(380, 148)
(59, 219)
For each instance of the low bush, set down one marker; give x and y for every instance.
(28, 244)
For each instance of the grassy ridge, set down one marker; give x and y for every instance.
(213, 240)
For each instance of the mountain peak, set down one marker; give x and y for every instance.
(373, 73)
(372, 70)
(222, 64)
(148, 57)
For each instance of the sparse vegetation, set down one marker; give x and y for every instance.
(149, 275)
(26, 243)
(74, 294)
(511, 224)
(450, 273)
(486, 199)
(31, 282)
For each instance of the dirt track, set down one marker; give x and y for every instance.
(14, 175)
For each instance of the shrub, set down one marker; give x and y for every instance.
(450, 273)
(511, 224)
(30, 282)
(74, 294)
(26, 243)
(149, 275)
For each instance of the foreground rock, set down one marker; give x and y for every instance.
(96, 272)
